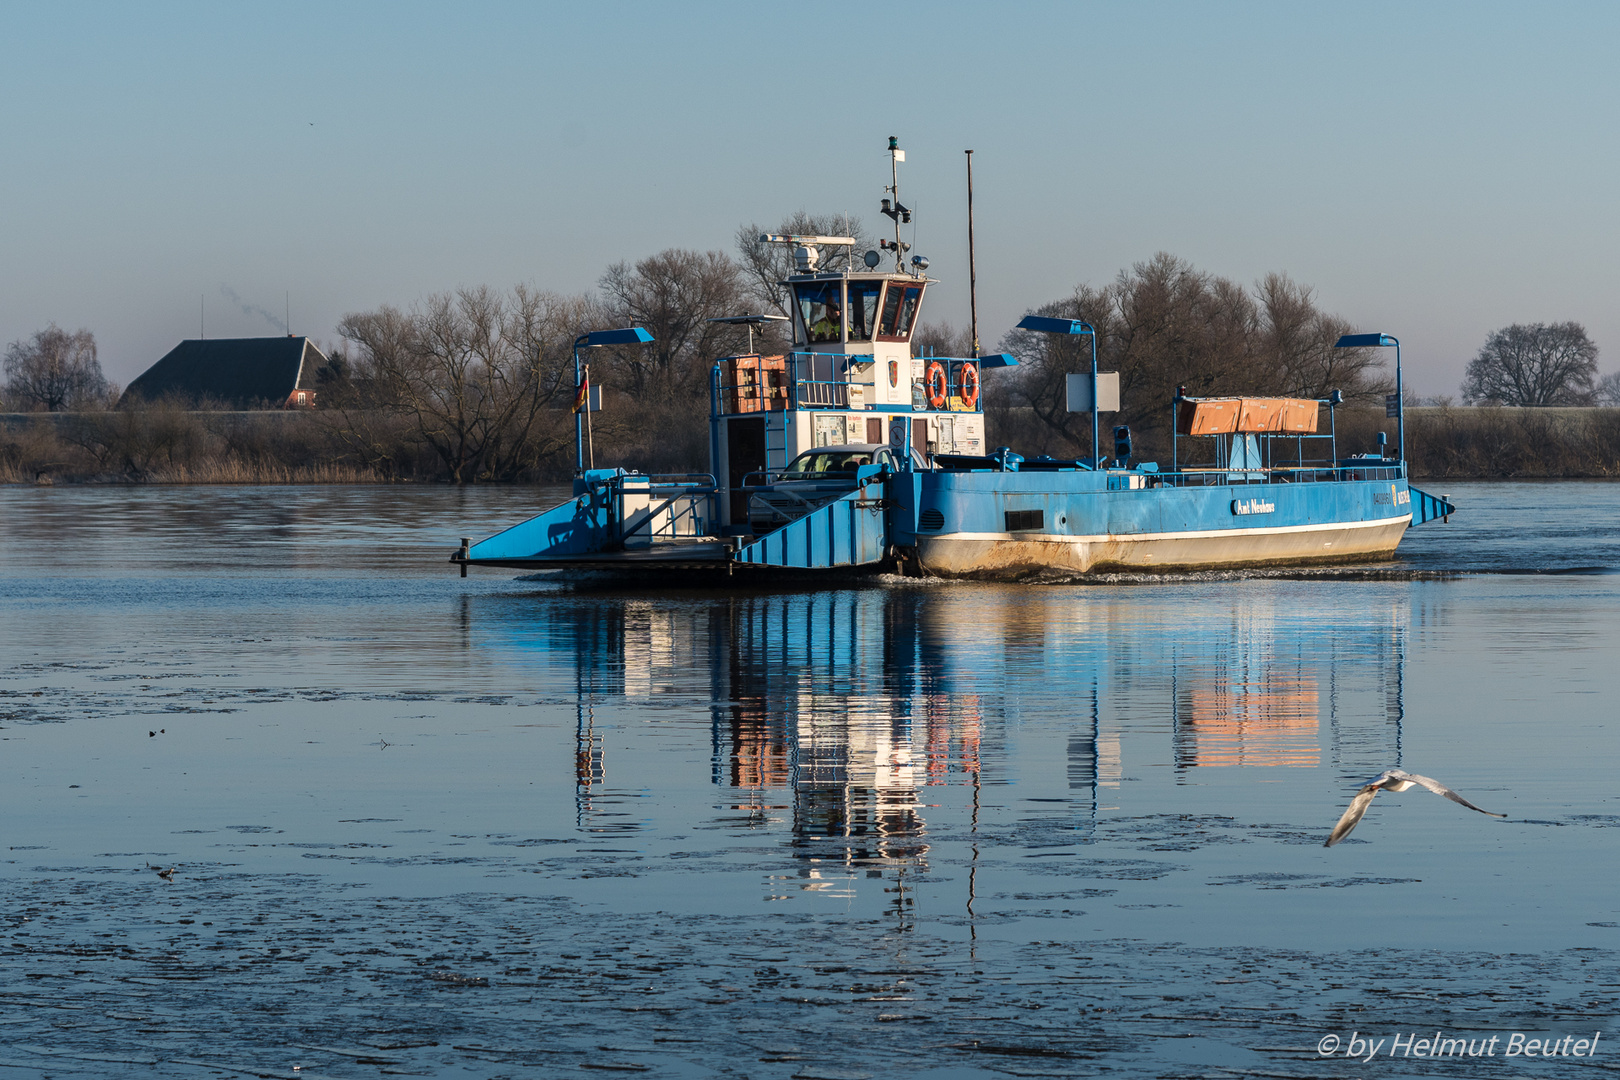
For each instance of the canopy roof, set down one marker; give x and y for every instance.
(1222, 416)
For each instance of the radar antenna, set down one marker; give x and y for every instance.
(806, 249)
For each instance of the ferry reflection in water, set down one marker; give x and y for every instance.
(1251, 693)
(826, 696)
(832, 714)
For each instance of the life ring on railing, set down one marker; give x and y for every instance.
(970, 385)
(934, 381)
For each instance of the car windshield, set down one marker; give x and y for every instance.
(828, 461)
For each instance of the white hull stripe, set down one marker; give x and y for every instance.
(1202, 534)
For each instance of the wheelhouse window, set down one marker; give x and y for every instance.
(863, 309)
(821, 308)
(899, 312)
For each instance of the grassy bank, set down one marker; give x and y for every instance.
(1510, 443)
(172, 445)
(165, 444)
(162, 445)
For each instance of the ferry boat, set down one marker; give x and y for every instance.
(852, 451)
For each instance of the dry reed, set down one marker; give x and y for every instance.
(170, 445)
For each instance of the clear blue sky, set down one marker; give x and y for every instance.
(1436, 171)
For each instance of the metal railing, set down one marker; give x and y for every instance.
(820, 394)
(663, 507)
(811, 389)
(819, 380)
(1244, 476)
(776, 496)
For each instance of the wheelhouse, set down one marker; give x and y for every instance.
(851, 376)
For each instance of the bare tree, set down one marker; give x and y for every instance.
(1297, 342)
(474, 374)
(1533, 364)
(941, 339)
(1045, 360)
(766, 265)
(55, 371)
(1608, 390)
(672, 295)
(1163, 324)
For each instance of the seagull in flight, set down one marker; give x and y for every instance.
(1391, 780)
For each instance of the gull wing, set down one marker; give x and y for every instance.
(1358, 807)
(1440, 789)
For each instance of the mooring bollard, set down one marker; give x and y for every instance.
(461, 556)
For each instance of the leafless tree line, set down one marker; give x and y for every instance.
(476, 385)
(472, 374)
(1163, 324)
(486, 379)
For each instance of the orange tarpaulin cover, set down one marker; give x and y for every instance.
(1223, 416)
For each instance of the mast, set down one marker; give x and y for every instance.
(973, 273)
(898, 213)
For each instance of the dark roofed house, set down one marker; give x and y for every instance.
(236, 373)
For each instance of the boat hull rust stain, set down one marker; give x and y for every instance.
(1007, 556)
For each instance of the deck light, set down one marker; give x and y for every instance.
(1047, 325)
(1373, 341)
(753, 322)
(633, 335)
(629, 335)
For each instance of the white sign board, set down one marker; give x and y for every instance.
(1107, 392)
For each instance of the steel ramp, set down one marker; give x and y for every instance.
(578, 526)
(849, 531)
(1426, 507)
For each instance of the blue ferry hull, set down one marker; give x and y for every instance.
(1079, 522)
(983, 523)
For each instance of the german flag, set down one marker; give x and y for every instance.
(582, 393)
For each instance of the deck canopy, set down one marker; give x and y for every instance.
(1246, 415)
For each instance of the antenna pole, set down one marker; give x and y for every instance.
(202, 316)
(973, 273)
(894, 189)
(287, 299)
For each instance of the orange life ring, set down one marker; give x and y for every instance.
(934, 380)
(970, 385)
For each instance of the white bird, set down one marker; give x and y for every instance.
(1392, 780)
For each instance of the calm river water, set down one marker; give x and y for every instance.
(502, 826)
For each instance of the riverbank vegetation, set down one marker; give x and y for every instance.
(165, 444)
(478, 385)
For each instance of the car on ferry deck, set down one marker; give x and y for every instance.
(817, 477)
